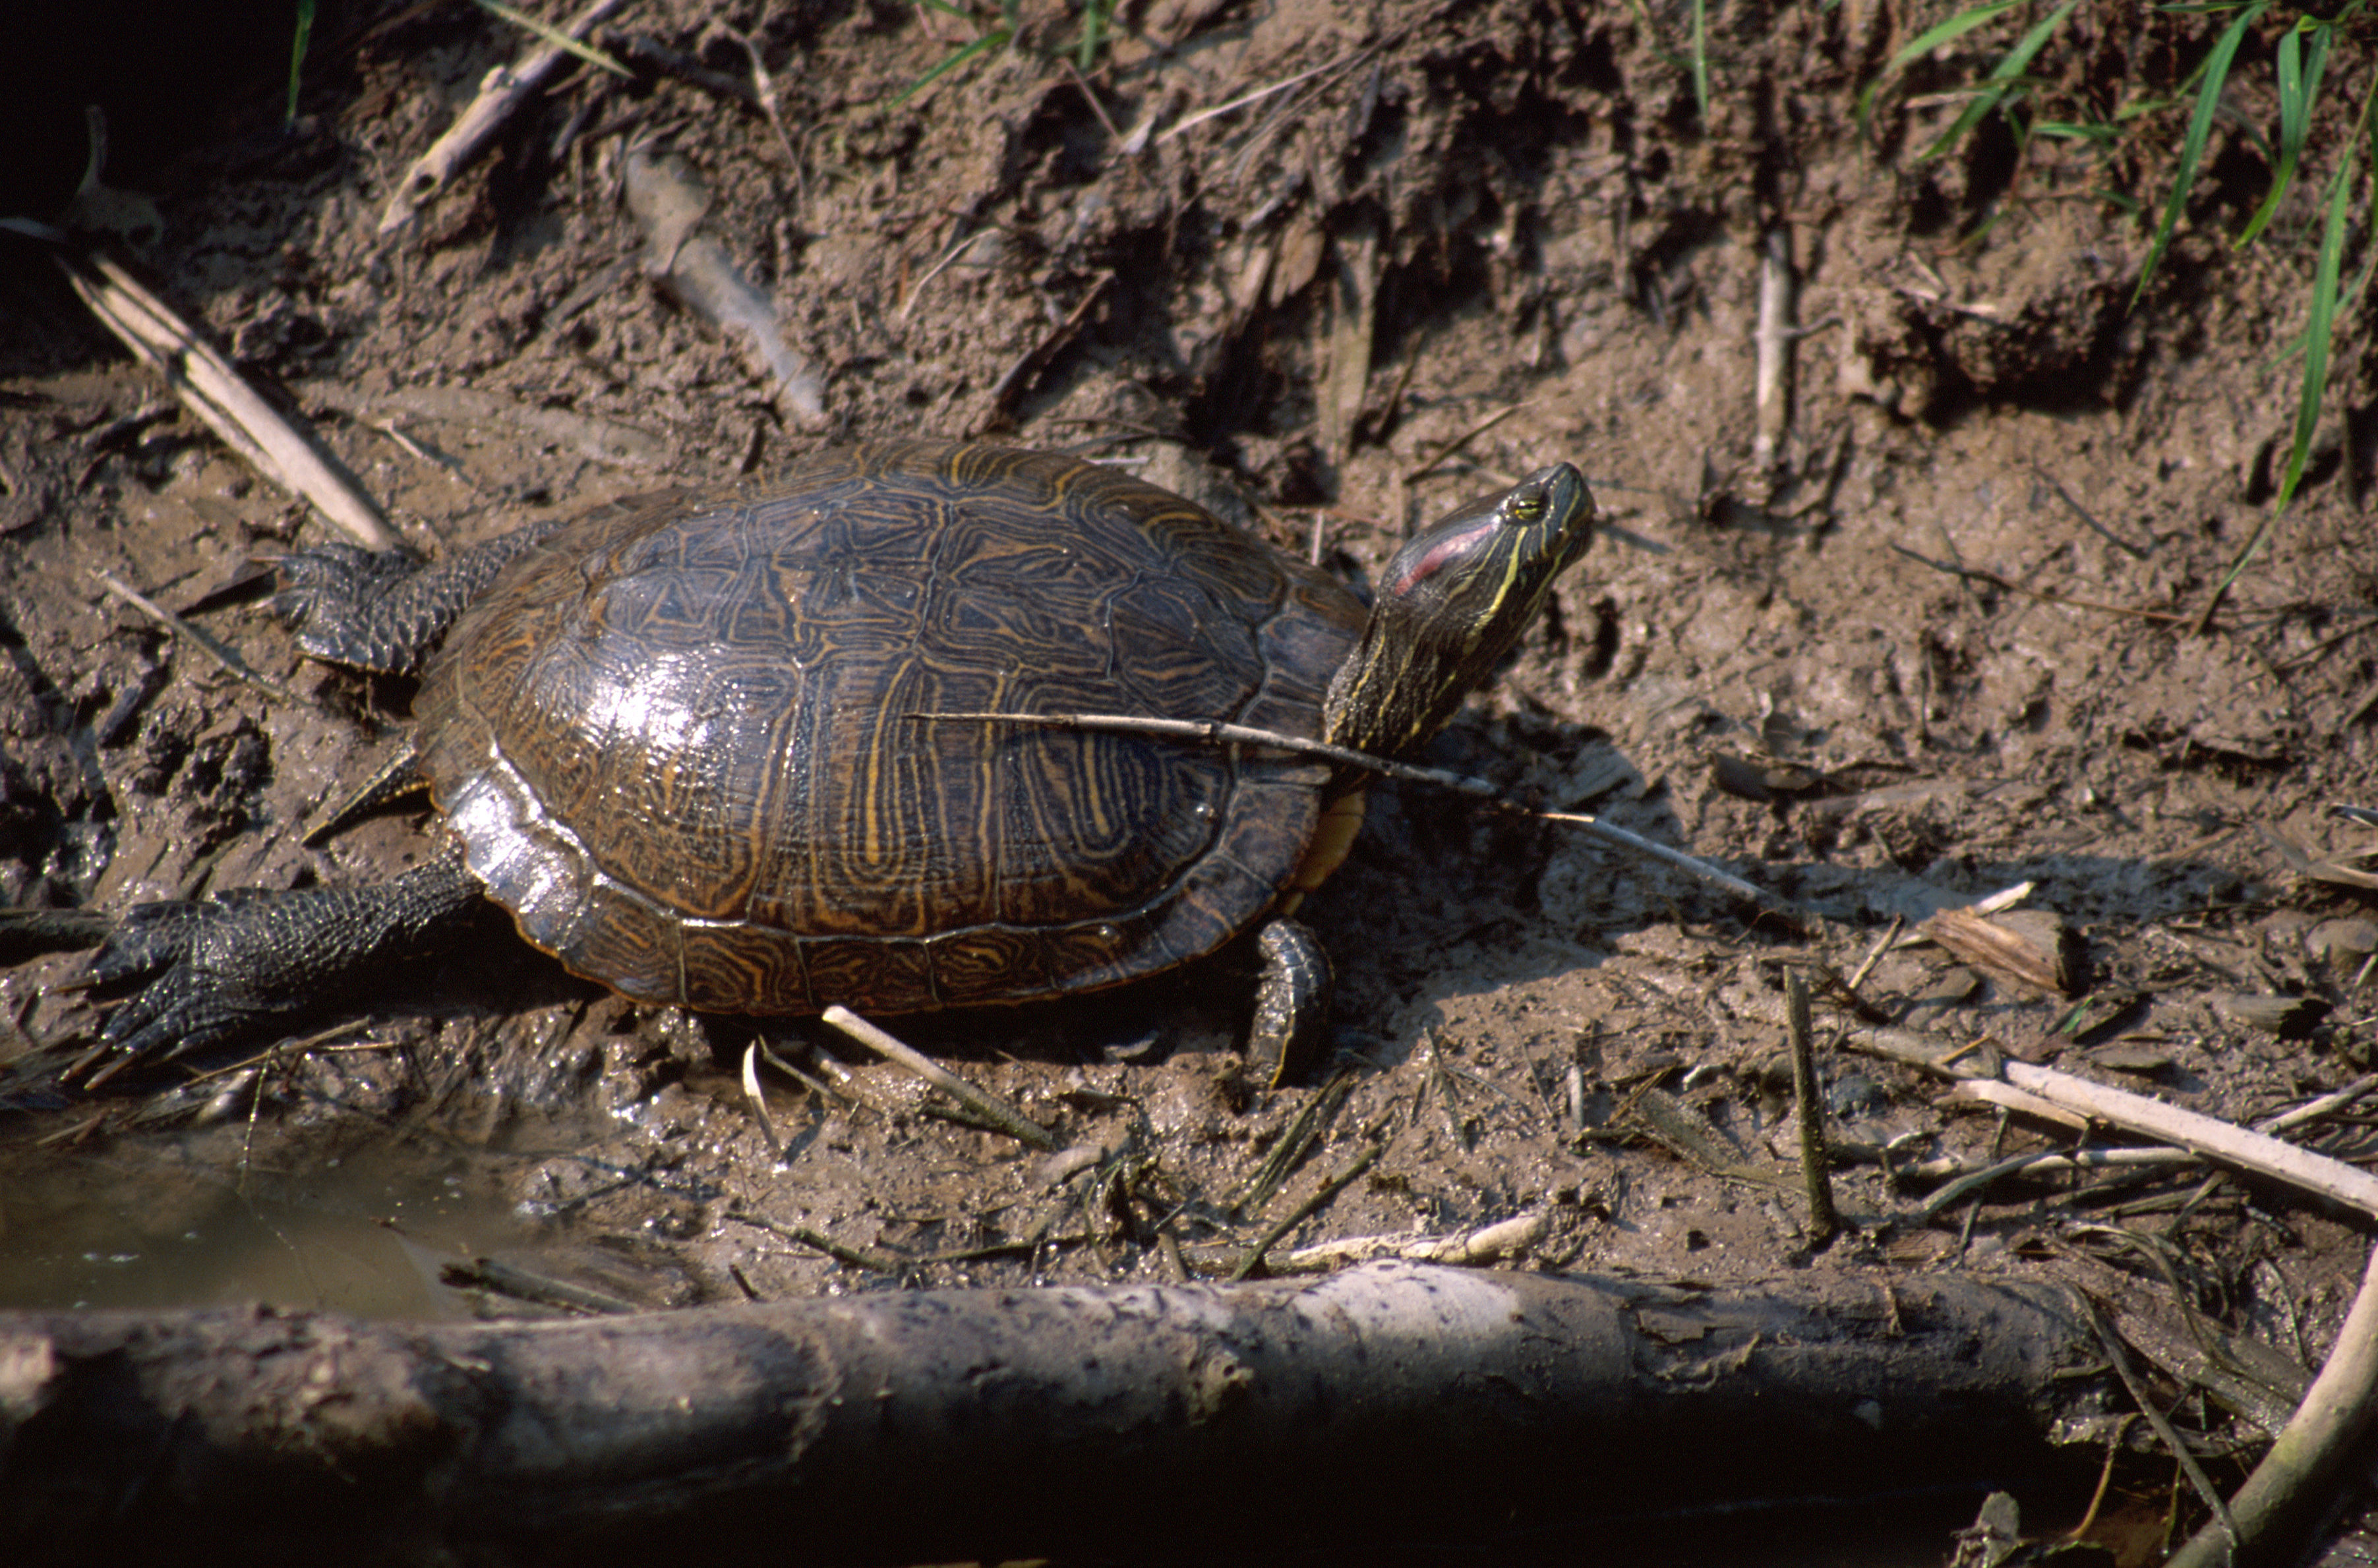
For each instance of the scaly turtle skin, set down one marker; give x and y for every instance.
(677, 740)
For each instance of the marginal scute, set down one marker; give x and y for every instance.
(679, 741)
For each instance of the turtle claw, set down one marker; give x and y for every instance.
(208, 972)
(203, 979)
(329, 595)
(383, 610)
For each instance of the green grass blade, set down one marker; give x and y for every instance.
(554, 36)
(1700, 61)
(2322, 319)
(2350, 301)
(1094, 26)
(2200, 131)
(2298, 86)
(2078, 130)
(2317, 328)
(2317, 331)
(297, 54)
(1925, 42)
(983, 45)
(1956, 26)
(1995, 88)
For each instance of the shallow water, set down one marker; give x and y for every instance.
(180, 1221)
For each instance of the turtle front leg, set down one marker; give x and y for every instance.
(1291, 1003)
(210, 971)
(385, 610)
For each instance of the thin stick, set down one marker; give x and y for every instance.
(1461, 441)
(2313, 1110)
(2208, 1137)
(1305, 1209)
(1816, 1160)
(498, 1278)
(2042, 1162)
(808, 1081)
(1259, 94)
(2006, 1096)
(987, 1106)
(2359, 628)
(2221, 590)
(2081, 512)
(1213, 732)
(2352, 719)
(1962, 1179)
(759, 1103)
(2307, 1465)
(555, 36)
(2143, 1398)
(764, 88)
(948, 257)
(1874, 954)
(1504, 1239)
(205, 642)
(1082, 85)
(1040, 354)
(210, 387)
(1217, 732)
(1769, 404)
(840, 1251)
(501, 93)
(2044, 595)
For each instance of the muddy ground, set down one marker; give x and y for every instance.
(1944, 616)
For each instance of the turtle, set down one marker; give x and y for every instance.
(685, 741)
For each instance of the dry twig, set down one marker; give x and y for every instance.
(211, 389)
(984, 1104)
(504, 90)
(198, 638)
(1816, 1160)
(1484, 1244)
(1215, 733)
(2287, 1490)
(1771, 404)
(2209, 1137)
(2045, 596)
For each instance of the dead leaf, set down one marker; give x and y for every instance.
(1351, 322)
(1298, 260)
(2032, 948)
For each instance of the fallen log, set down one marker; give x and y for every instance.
(917, 1426)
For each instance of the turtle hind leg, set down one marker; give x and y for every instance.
(1291, 1004)
(209, 971)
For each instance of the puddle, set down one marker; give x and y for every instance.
(172, 1223)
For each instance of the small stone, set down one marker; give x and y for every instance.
(2343, 943)
(2287, 1016)
(2143, 1057)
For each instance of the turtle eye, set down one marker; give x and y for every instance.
(1525, 507)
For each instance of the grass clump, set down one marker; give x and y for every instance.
(2299, 58)
(1096, 23)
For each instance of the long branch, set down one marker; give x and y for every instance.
(919, 1426)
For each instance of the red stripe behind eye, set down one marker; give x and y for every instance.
(1452, 547)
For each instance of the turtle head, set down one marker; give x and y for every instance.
(1453, 602)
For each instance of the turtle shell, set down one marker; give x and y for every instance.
(678, 738)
